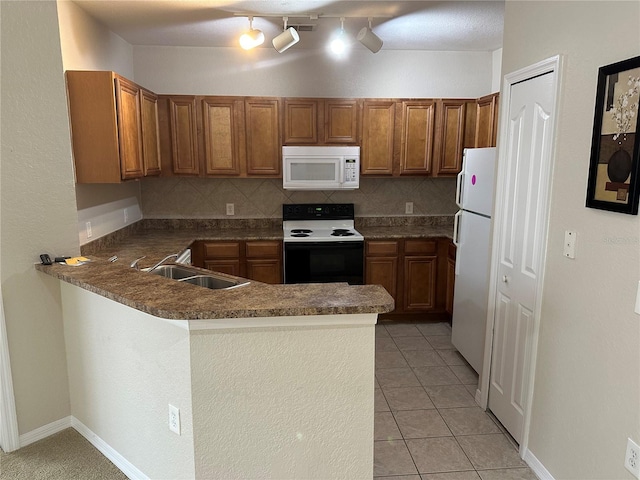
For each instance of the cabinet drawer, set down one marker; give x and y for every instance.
(384, 248)
(222, 250)
(270, 249)
(420, 247)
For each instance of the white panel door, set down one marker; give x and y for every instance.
(522, 237)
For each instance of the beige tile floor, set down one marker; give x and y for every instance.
(427, 424)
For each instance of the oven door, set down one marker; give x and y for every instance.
(324, 262)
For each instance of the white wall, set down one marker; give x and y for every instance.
(496, 70)
(285, 403)
(299, 72)
(38, 207)
(88, 45)
(125, 368)
(587, 385)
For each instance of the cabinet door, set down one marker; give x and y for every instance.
(300, 121)
(486, 119)
(182, 114)
(265, 270)
(382, 271)
(417, 137)
(230, 267)
(451, 278)
(378, 122)
(223, 121)
(341, 121)
(129, 132)
(150, 136)
(262, 125)
(419, 282)
(451, 123)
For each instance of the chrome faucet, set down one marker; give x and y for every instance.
(135, 265)
(151, 269)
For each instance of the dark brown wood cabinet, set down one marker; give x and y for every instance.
(320, 121)
(417, 134)
(381, 265)
(150, 133)
(262, 129)
(450, 277)
(487, 121)
(113, 129)
(223, 129)
(259, 260)
(420, 267)
(377, 153)
(183, 131)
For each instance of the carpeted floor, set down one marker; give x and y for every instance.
(63, 456)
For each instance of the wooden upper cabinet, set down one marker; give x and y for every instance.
(450, 136)
(418, 119)
(106, 117)
(300, 121)
(487, 121)
(341, 121)
(183, 125)
(262, 126)
(223, 122)
(129, 129)
(378, 133)
(150, 132)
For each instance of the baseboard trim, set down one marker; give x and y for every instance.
(118, 460)
(44, 431)
(538, 468)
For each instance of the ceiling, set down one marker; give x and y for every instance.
(402, 25)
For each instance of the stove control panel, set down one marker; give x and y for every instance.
(323, 211)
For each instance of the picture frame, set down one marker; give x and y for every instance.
(614, 167)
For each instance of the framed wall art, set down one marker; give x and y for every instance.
(614, 169)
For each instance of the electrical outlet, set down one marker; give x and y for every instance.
(632, 458)
(230, 209)
(126, 216)
(408, 208)
(174, 419)
(88, 225)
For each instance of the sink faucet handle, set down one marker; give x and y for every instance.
(135, 265)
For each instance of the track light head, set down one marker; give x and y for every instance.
(369, 39)
(288, 38)
(251, 38)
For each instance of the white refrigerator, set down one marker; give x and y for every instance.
(472, 233)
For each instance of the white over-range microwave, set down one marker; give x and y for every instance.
(320, 168)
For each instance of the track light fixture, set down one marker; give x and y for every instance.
(369, 39)
(251, 38)
(288, 38)
(339, 43)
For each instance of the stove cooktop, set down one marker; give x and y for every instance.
(319, 223)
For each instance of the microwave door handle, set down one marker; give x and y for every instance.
(341, 171)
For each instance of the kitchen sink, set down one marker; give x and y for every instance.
(195, 276)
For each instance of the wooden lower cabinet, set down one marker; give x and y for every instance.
(419, 273)
(381, 265)
(256, 260)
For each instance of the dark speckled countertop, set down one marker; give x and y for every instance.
(167, 298)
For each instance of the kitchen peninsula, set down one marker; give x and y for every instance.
(271, 381)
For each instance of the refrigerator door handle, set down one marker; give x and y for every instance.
(459, 185)
(456, 239)
(456, 228)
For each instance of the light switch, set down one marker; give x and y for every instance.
(570, 244)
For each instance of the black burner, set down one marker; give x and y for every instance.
(299, 234)
(300, 230)
(342, 232)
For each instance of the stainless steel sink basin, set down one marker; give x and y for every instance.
(196, 277)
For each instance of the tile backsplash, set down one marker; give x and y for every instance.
(183, 197)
